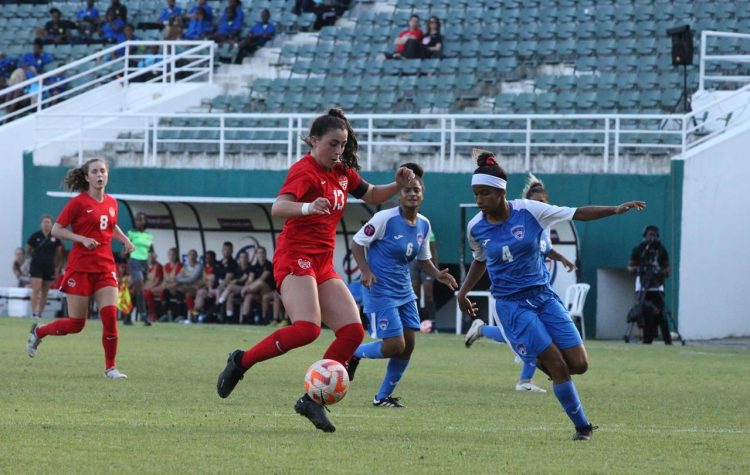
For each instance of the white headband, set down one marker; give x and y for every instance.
(489, 180)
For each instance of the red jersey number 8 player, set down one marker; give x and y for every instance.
(312, 199)
(92, 216)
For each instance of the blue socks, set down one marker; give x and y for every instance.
(528, 371)
(568, 396)
(372, 350)
(396, 368)
(492, 333)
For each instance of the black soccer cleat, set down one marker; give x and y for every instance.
(231, 375)
(351, 367)
(389, 401)
(314, 412)
(584, 433)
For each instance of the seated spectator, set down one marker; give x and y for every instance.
(166, 289)
(128, 34)
(199, 27)
(22, 269)
(23, 73)
(37, 58)
(154, 279)
(231, 23)
(111, 30)
(149, 57)
(325, 13)
(169, 12)
(303, 6)
(56, 86)
(206, 291)
(56, 31)
(88, 20)
(432, 43)
(190, 279)
(8, 64)
(409, 42)
(261, 33)
(119, 10)
(208, 12)
(258, 285)
(235, 285)
(173, 30)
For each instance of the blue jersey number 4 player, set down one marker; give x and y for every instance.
(504, 237)
(394, 238)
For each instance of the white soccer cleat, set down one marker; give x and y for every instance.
(33, 341)
(114, 373)
(528, 387)
(474, 333)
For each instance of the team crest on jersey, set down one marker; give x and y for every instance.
(71, 283)
(369, 230)
(383, 324)
(303, 263)
(420, 238)
(112, 211)
(518, 232)
(344, 182)
(520, 349)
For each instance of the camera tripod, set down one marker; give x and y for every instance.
(634, 321)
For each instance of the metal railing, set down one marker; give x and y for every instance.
(130, 61)
(712, 40)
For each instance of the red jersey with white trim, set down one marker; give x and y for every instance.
(307, 181)
(92, 219)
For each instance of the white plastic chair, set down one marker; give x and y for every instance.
(575, 297)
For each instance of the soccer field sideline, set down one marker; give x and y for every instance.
(462, 411)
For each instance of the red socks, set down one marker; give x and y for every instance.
(348, 338)
(108, 316)
(279, 342)
(62, 326)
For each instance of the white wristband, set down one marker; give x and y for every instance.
(306, 209)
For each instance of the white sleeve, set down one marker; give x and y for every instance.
(548, 215)
(424, 253)
(477, 250)
(373, 230)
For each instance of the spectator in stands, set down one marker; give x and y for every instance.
(260, 283)
(409, 42)
(22, 269)
(230, 24)
(169, 12)
(235, 285)
(128, 34)
(303, 6)
(149, 57)
(261, 33)
(119, 10)
(174, 29)
(88, 20)
(190, 278)
(56, 86)
(56, 31)
(207, 11)
(199, 27)
(154, 279)
(325, 13)
(432, 42)
(36, 58)
(8, 64)
(206, 291)
(111, 30)
(166, 289)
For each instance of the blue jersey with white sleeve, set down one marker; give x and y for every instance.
(511, 249)
(392, 243)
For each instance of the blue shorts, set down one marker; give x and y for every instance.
(534, 323)
(390, 322)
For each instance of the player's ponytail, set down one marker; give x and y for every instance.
(75, 179)
(335, 119)
(533, 186)
(487, 164)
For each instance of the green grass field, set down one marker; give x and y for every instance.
(659, 409)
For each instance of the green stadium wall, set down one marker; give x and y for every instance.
(605, 243)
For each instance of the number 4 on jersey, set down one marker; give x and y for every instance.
(507, 256)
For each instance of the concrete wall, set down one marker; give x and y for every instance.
(715, 257)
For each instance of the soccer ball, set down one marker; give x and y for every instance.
(326, 382)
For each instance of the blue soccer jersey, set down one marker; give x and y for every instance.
(511, 249)
(392, 243)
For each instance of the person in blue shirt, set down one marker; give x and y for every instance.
(260, 33)
(169, 12)
(88, 20)
(504, 237)
(112, 29)
(199, 27)
(230, 24)
(207, 11)
(534, 190)
(393, 238)
(37, 57)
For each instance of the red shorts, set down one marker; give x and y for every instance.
(319, 266)
(85, 284)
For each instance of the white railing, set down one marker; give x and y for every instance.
(442, 138)
(131, 61)
(712, 40)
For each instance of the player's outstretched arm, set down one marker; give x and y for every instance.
(590, 213)
(476, 271)
(378, 194)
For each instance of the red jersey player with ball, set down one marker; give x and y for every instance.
(312, 200)
(92, 216)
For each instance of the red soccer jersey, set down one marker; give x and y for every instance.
(306, 181)
(87, 217)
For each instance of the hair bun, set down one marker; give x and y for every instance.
(484, 157)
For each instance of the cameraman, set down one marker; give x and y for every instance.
(649, 263)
